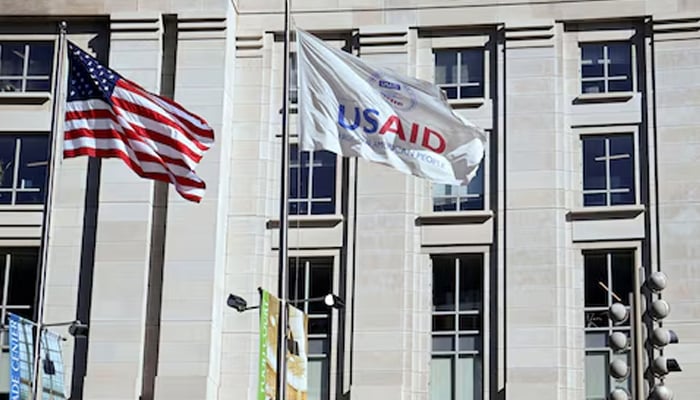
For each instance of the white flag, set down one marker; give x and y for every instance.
(353, 109)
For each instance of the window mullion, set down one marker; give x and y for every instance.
(608, 178)
(15, 171)
(6, 285)
(25, 67)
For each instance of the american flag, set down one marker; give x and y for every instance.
(109, 116)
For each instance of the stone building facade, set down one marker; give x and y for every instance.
(495, 291)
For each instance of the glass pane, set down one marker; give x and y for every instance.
(596, 339)
(293, 78)
(441, 378)
(23, 275)
(597, 319)
(443, 284)
(12, 59)
(320, 284)
(466, 92)
(593, 87)
(472, 68)
(620, 85)
(468, 377)
(7, 160)
(591, 61)
(318, 346)
(318, 325)
(297, 279)
(442, 323)
(445, 66)
(470, 282)
(597, 375)
(322, 207)
(620, 60)
(591, 200)
(3, 262)
(471, 322)
(469, 343)
(38, 85)
(10, 85)
(622, 275)
(443, 343)
(595, 278)
(593, 170)
(450, 92)
(40, 59)
(32, 169)
(445, 204)
(318, 379)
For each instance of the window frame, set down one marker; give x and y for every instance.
(483, 311)
(606, 131)
(28, 40)
(309, 199)
(606, 78)
(14, 189)
(458, 84)
(627, 327)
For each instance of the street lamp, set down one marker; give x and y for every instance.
(240, 304)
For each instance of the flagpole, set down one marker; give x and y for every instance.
(281, 387)
(48, 204)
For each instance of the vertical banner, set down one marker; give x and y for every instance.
(297, 360)
(52, 377)
(297, 344)
(21, 355)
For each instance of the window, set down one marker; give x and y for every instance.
(608, 170)
(313, 277)
(23, 162)
(311, 182)
(460, 198)
(606, 67)
(456, 342)
(460, 73)
(608, 279)
(26, 67)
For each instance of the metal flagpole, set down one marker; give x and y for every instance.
(48, 204)
(281, 387)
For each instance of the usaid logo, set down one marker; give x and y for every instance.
(400, 96)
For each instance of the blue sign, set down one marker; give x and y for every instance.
(15, 357)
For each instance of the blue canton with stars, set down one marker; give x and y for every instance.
(88, 79)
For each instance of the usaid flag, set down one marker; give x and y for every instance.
(353, 109)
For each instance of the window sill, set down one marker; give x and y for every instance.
(308, 221)
(467, 103)
(24, 97)
(610, 97)
(605, 212)
(455, 218)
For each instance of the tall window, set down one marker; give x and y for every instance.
(460, 198)
(26, 67)
(456, 372)
(606, 67)
(608, 170)
(460, 73)
(313, 277)
(311, 182)
(608, 279)
(23, 161)
(18, 275)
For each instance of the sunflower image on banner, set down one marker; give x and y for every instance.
(297, 342)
